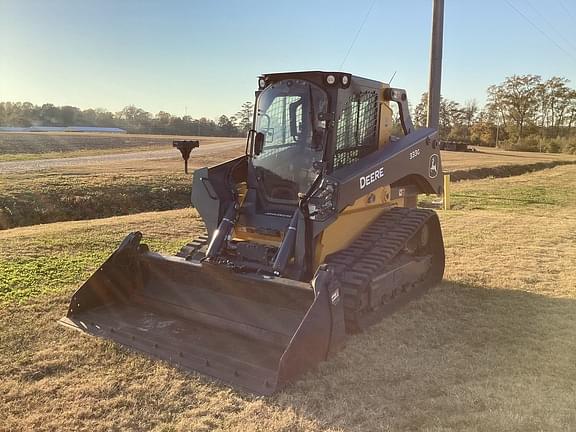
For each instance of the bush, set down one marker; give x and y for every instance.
(552, 145)
(569, 145)
(530, 143)
(535, 143)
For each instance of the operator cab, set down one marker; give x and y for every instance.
(288, 116)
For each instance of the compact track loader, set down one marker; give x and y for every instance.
(312, 234)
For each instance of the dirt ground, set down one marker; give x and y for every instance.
(492, 348)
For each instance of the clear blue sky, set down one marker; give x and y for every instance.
(206, 55)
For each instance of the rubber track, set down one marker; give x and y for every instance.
(195, 249)
(371, 255)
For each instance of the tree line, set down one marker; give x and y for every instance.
(524, 112)
(131, 118)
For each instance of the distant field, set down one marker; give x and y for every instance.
(47, 145)
(42, 145)
(119, 187)
(490, 349)
(488, 157)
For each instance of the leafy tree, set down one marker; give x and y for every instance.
(524, 112)
(227, 126)
(244, 117)
(559, 99)
(451, 115)
(517, 99)
(421, 111)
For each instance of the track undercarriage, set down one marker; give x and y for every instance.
(396, 259)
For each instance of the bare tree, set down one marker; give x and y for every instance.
(469, 113)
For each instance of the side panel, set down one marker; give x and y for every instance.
(351, 222)
(415, 155)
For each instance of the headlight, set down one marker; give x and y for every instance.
(331, 79)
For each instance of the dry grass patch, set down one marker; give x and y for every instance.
(491, 348)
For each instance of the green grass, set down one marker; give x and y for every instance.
(49, 263)
(539, 190)
(25, 277)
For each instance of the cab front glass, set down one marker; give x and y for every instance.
(287, 113)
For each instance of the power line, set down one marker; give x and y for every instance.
(523, 15)
(566, 10)
(357, 34)
(550, 25)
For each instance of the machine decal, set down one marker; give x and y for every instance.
(414, 153)
(433, 167)
(371, 178)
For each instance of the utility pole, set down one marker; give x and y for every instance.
(435, 81)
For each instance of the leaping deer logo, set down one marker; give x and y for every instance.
(433, 168)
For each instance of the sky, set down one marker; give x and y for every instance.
(202, 58)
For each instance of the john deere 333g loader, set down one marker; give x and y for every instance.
(312, 234)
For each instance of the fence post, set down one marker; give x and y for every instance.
(446, 197)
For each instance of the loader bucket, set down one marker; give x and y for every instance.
(253, 331)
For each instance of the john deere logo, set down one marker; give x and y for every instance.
(433, 169)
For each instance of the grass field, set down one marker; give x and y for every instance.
(493, 348)
(120, 187)
(488, 157)
(47, 145)
(95, 191)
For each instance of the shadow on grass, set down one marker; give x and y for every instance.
(463, 356)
